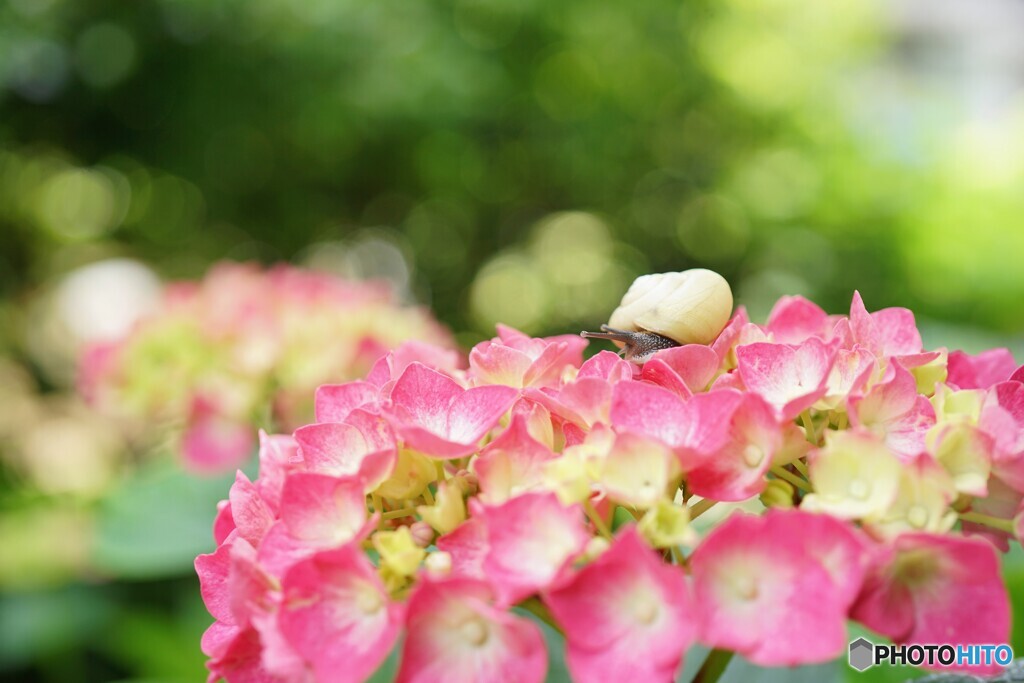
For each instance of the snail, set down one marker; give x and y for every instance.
(664, 310)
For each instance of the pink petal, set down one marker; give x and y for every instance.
(342, 450)
(889, 332)
(729, 337)
(279, 456)
(278, 657)
(981, 371)
(422, 397)
(455, 634)
(607, 366)
(213, 443)
(468, 547)
(736, 471)
(762, 590)
(936, 588)
(896, 411)
(626, 616)
(223, 523)
(791, 378)
(850, 373)
(432, 445)
(512, 463)
(217, 638)
(337, 615)
(213, 570)
(898, 331)
(547, 368)
(249, 586)
(651, 411)
(658, 372)
(794, 319)
(531, 539)
(583, 402)
(694, 365)
(492, 363)
(476, 411)
(251, 513)
(323, 510)
(863, 327)
(240, 661)
(334, 402)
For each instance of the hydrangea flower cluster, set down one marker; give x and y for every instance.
(857, 477)
(222, 352)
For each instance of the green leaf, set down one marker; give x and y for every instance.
(157, 521)
(37, 624)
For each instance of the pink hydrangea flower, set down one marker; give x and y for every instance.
(794, 319)
(455, 632)
(896, 411)
(931, 588)
(337, 615)
(684, 370)
(981, 371)
(487, 492)
(531, 539)
(790, 378)
(514, 359)
(436, 416)
(777, 588)
(627, 615)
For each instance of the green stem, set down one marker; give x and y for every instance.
(989, 521)
(395, 514)
(538, 609)
(700, 507)
(597, 519)
(783, 473)
(805, 417)
(801, 468)
(378, 506)
(713, 667)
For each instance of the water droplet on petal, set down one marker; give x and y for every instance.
(753, 456)
(369, 600)
(917, 516)
(475, 631)
(859, 489)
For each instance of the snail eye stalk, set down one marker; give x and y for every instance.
(638, 347)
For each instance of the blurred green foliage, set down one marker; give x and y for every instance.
(527, 159)
(762, 139)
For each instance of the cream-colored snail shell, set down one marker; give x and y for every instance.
(689, 307)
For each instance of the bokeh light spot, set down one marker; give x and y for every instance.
(105, 55)
(77, 204)
(510, 289)
(713, 228)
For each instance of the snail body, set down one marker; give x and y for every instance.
(663, 310)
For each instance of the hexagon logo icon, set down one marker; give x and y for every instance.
(861, 654)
